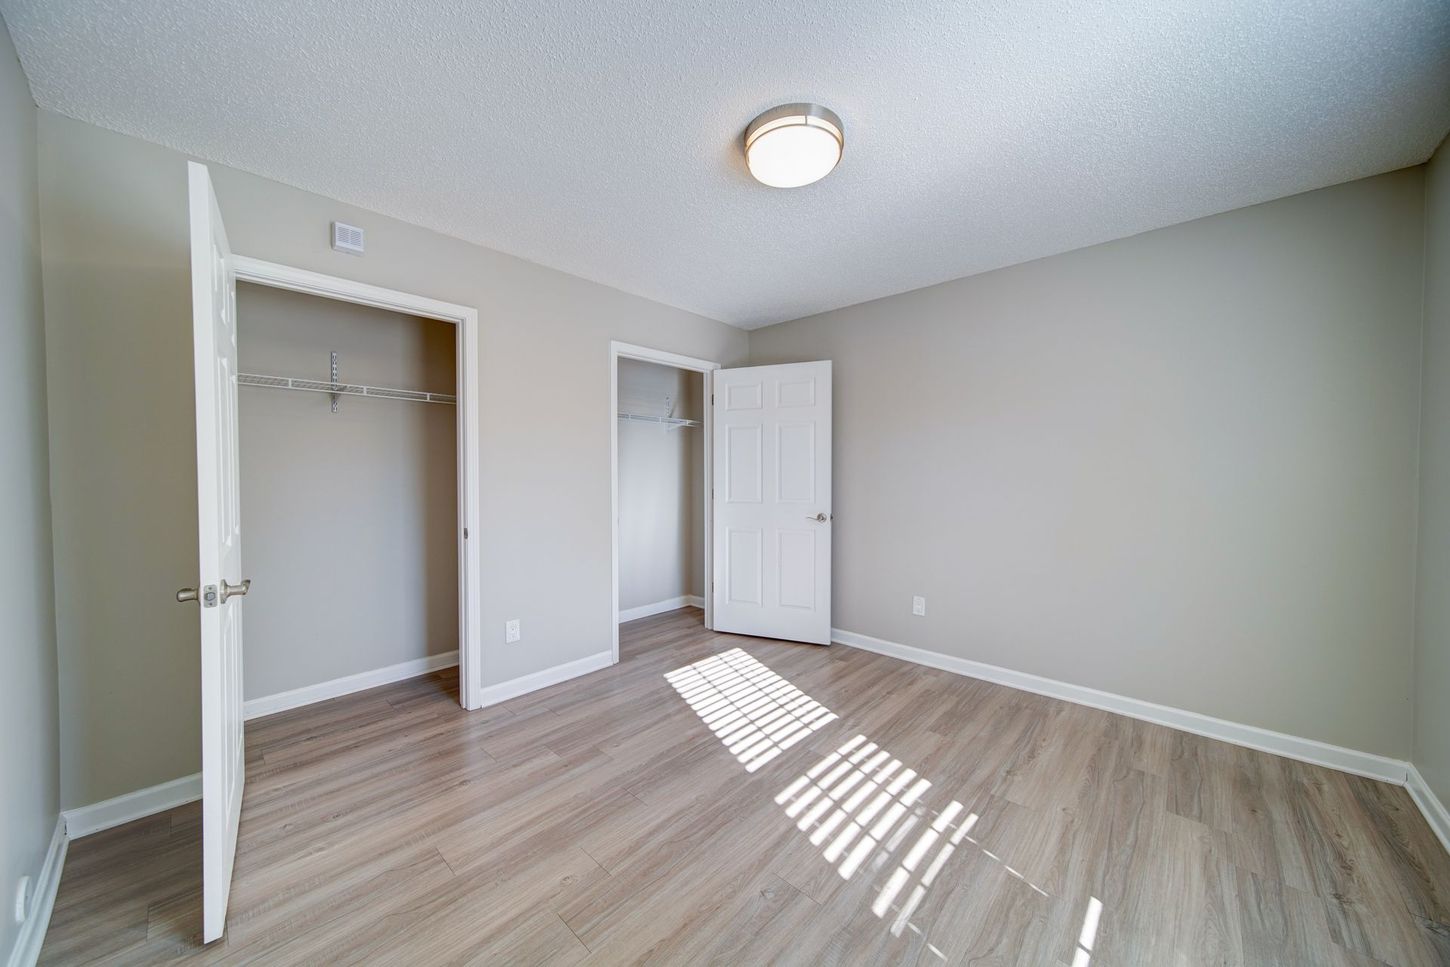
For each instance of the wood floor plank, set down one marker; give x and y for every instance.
(719, 799)
(520, 910)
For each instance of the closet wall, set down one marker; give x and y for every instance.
(661, 508)
(348, 517)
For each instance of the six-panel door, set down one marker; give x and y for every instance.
(772, 490)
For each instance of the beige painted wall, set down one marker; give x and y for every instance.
(29, 750)
(1179, 467)
(1432, 644)
(661, 514)
(350, 518)
(113, 212)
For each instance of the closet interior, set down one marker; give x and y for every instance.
(349, 492)
(661, 460)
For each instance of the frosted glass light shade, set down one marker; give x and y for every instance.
(793, 145)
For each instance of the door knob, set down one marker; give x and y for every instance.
(820, 518)
(207, 596)
(235, 590)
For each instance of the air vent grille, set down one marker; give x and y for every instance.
(347, 238)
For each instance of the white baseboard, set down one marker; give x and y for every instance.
(85, 820)
(660, 607)
(502, 692)
(322, 691)
(1290, 746)
(28, 941)
(1435, 812)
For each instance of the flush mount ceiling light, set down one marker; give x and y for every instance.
(794, 145)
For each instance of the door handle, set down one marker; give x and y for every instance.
(821, 518)
(207, 596)
(235, 590)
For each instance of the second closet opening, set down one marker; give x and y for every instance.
(661, 489)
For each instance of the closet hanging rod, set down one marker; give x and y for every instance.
(343, 389)
(666, 420)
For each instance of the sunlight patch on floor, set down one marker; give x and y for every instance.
(752, 710)
(1088, 934)
(864, 808)
(860, 806)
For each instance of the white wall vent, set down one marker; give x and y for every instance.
(347, 238)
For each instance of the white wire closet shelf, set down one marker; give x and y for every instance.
(343, 389)
(666, 420)
(634, 402)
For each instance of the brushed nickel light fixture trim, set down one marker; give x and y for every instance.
(794, 145)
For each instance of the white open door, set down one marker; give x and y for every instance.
(771, 574)
(214, 335)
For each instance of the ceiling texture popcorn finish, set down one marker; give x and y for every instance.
(605, 139)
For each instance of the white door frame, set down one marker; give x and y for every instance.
(470, 570)
(624, 350)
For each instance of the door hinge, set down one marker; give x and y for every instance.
(465, 533)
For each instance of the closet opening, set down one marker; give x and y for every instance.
(350, 443)
(660, 409)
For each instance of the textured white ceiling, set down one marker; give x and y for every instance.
(601, 137)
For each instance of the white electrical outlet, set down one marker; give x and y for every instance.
(918, 605)
(511, 630)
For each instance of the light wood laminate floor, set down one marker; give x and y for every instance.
(721, 799)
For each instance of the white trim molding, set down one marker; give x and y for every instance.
(1290, 746)
(280, 276)
(660, 607)
(254, 708)
(513, 688)
(85, 820)
(31, 935)
(1435, 812)
(470, 420)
